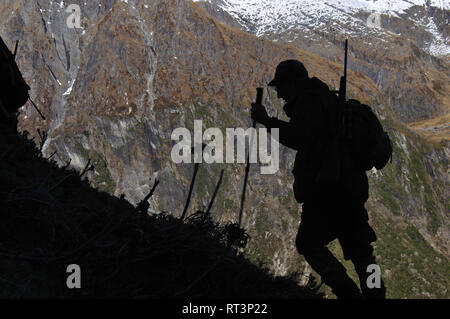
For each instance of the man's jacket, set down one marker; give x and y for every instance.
(322, 163)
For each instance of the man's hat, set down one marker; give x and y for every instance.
(289, 69)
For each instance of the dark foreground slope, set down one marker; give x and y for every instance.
(50, 218)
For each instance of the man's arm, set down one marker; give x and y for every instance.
(288, 132)
(305, 127)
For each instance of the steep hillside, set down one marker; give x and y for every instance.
(140, 69)
(52, 218)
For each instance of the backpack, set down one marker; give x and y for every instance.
(13, 88)
(362, 132)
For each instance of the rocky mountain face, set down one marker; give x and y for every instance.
(114, 89)
(403, 46)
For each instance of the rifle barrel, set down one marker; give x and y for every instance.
(345, 70)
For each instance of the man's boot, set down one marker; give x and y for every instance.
(361, 266)
(332, 273)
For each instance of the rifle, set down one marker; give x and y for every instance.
(259, 95)
(343, 83)
(345, 111)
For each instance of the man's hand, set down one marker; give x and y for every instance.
(259, 113)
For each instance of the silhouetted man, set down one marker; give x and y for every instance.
(328, 183)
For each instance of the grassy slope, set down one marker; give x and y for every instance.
(50, 219)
